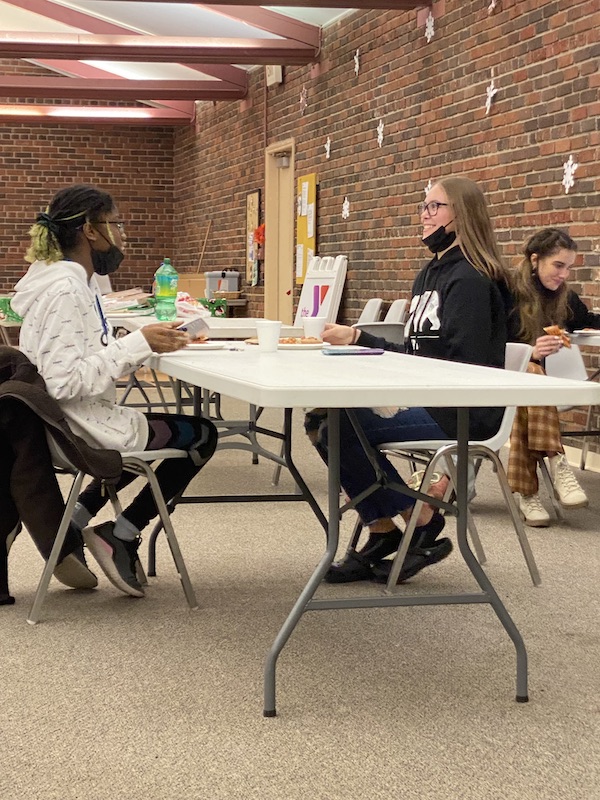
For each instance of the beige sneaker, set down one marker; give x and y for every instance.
(534, 513)
(566, 488)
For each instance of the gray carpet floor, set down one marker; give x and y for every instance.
(111, 697)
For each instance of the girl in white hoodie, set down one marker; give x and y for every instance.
(66, 335)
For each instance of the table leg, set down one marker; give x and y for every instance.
(472, 563)
(333, 485)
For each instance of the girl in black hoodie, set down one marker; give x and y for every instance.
(458, 312)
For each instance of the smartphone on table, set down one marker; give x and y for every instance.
(352, 350)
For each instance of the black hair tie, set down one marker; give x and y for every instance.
(45, 220)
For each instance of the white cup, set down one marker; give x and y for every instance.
(267, 331)
(314, 326)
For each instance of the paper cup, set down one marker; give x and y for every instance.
(268, 331)
(314, 326)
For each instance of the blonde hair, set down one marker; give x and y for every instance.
(474, 227)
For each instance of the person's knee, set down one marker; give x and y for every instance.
(205, 445)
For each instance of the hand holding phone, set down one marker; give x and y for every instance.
(195, 327)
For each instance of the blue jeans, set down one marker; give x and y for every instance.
(356, 471)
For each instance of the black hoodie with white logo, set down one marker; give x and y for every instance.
(457, 314)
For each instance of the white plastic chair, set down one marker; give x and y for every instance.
(371, 311)
(391, 331)
(396, 312)
(138, 463)
(568, 363)
(442, 451)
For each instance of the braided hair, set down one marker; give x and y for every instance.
(56, 229)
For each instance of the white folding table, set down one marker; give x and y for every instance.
(308, 379)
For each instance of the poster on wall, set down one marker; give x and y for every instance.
(252, 221)
(306, 224)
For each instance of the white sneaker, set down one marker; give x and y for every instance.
(566, 488)
(533, 512)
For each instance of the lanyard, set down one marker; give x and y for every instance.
(104, 336)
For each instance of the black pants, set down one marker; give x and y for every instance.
(196, 435)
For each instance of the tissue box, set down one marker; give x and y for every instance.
(221, 281)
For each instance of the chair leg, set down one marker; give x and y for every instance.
(550, 488)
(585, 446)
(406, 541)
(517, 521)
(358, 526)
(42, 589)
(159, 390)
(170, 533)
(152, 541)
(471, 527)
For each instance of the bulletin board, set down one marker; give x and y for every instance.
(252, 220)
(306, 224)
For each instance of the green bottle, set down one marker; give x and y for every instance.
(165, 291)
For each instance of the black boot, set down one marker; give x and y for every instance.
(357, 565)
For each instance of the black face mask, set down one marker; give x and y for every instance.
(439, 240)
(108, 261)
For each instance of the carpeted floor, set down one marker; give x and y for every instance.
(111, 697)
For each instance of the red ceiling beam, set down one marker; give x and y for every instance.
(155, 49)
(91, 115)
(116, 89)
(91, 24)
(391, 5)
(266, 20)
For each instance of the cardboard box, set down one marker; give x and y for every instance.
(193, 283)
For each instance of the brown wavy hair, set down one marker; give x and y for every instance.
(537, 306)
(474, 227)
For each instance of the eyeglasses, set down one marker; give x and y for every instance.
(120, 225)
(431, 208)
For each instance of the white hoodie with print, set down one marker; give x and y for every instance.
(62, 334)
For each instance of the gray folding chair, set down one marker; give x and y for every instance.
(138, 463)
(443, 451)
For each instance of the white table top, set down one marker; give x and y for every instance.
(307, 378)
(586, 339)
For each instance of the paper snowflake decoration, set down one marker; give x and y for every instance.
(429, 187)
(357, 62)
(569, 168)
(429, 27)
(492, 6)
(327, 147)
(490, 92)
(380, 133)
(345, 208)
(303, 100)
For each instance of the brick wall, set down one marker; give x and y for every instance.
(134, 164)
(431, 98)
